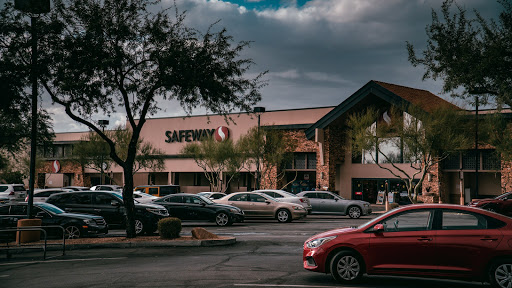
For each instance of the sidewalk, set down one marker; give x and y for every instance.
(378, 208)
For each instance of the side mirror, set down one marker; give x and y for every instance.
(203, 204)
(378, 228)
(267, 201)
(336, 199)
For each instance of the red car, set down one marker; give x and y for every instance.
(501, 204)
(430, 240)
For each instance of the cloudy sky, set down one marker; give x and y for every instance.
(317, 52)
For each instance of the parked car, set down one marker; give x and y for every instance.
(77, 188)
(15, 192)
(430, 240)
(142, 197)
(110, 206)
(158, 190)
(40, 195)
(260, 205)
(325, 202)
(501, 204)
(195, 207)
(212, 195)
(115, 188)
(288, 197)
(75, 225)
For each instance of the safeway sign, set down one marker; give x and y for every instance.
(56, 166)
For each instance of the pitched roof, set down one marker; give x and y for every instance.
(422, 98)
(391, 93)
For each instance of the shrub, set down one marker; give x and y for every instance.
(169, 228)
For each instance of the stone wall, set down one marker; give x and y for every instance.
(334, 154)
(66, 166)
(506, 176)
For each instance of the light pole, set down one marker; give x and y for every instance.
(34, 8)
(258, 111)
(103, 124)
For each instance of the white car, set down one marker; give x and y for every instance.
(288, 197)
(115, 188)
(14, 192)
(40, 195)
(144, 197)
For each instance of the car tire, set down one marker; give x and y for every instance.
(284, 216)
(347, 267)
(223, 219)
(354, 212)
(500, 273)
(72, 232)
(139, 227)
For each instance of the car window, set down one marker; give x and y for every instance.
(103, 199)
(288, 194)
(257, 198)
(191, 200)
(18, 210)
(311, 195)
(166, 190)
(270, 193)
(19, 188)
(3, 188)
(277, 195)
(52, 208)
(81, 198)
(4, 210)
(408, 221)
(153, 191)
(325, 196)
(461, 220)
(217, 196)
(239, 197)
(43, 194)
(174, 199)
(141, 189)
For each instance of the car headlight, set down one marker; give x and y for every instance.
(298, 207)
(89, 221)
(161, 212)
(315, 243)
(366, 204)
(237, 211)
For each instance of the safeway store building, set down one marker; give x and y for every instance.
(321, 160)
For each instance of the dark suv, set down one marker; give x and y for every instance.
(110, 205)
(75, 225)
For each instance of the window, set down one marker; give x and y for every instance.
(191, 200)
(458, 220)
(174, 199)
(325, 196)
(469, 160)
(408, 221)
(311, 195)
(302, 161)
(18, 210)
(239, 197)
(103, 199)
(153, 191)
(84, 199)
(490, 160)
(257, 198)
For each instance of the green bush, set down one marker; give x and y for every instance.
(169, 228)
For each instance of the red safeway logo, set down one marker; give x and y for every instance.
(221, 133)
(56, 166)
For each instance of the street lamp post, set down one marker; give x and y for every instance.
(258, 111)
(103, 124)
(34, 8)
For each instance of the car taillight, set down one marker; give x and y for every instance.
(26, 199)
(302, 200)
(12, 193)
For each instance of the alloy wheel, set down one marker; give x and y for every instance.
(348, 268)
(283, 216)
(139, 226)
(222, 219)
(503, 275)
(354, 212)
(72, 232)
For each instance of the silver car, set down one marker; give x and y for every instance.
(325, 202)
(288, 197)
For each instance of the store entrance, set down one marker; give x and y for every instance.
(367, 189)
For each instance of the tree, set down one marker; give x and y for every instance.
(273, 147)
(93, 152)
(406, 141)
(472, 54)
(98, 56)
(215, 158)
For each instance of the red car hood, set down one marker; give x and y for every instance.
(333, 232)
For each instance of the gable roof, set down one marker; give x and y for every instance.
(391, 93)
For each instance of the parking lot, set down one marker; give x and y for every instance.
(267, 254)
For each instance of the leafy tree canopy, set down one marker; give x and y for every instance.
(472, 54)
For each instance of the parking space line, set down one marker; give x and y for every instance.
(280, 285)
(56, 261)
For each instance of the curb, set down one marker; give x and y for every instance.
(149, 244)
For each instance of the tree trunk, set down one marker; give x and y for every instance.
(129, 205)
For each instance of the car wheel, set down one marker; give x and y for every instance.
(500, 273)
(72, 232)
(283, 216)
(346, 267)
(354, 212)
(222, 219)
(139, 227)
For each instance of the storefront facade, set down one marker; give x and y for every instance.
(322, 160)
